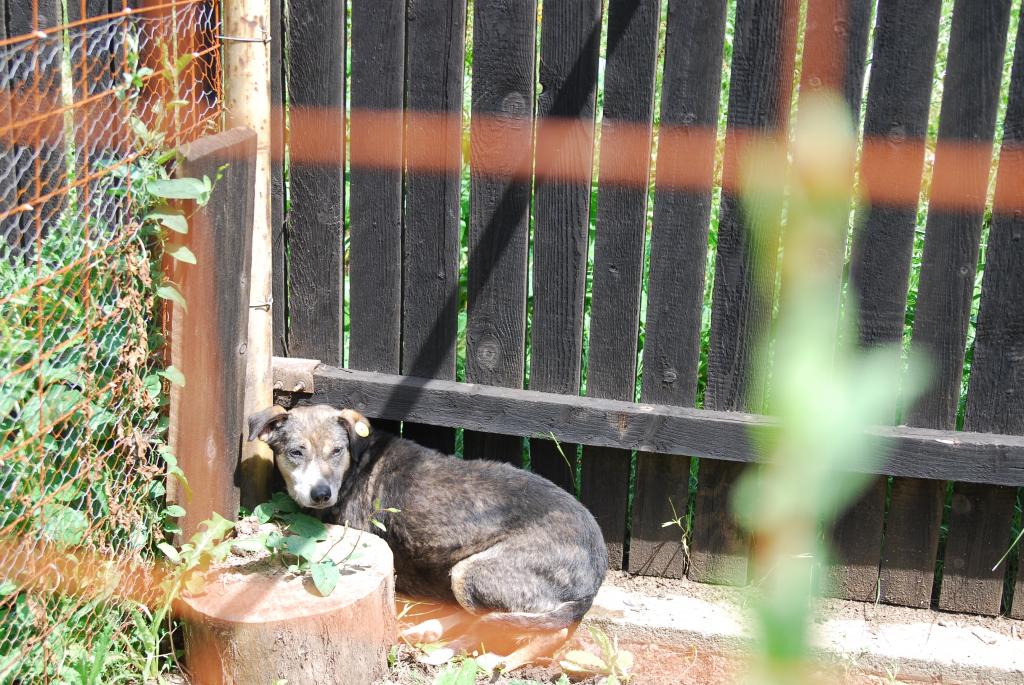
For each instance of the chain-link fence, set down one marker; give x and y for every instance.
(87, 105)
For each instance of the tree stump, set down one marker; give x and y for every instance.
(256, 623)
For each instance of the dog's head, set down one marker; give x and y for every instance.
(314, 447)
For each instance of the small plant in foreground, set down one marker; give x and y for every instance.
(818, 458)
(297, 544)
(613, 663)
(683, 525)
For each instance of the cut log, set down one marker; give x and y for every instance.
(256, 623)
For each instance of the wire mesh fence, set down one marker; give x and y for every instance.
(87, 107)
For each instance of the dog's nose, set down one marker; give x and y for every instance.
(320, 493)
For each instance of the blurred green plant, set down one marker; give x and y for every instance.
(824, 394)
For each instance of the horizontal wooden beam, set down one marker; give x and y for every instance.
(912, 452)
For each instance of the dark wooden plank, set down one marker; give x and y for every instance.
(906, 35)
(206, 421)
(39, 166)
(970, 98)
(96, 54)
(10, 227)
(679, 239)
(632, 54)
(278, 192)
(436, 34)
(316, 91)
(835, 49)
(375, 200)
(703, 433)
(504, 38)
(569, 42)
(838, 65)
(375, 263)
(979, 523)
(759, 100)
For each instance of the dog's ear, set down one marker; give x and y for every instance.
(262, 424)
(358, 428)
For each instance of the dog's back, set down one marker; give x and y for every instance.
(494, 537)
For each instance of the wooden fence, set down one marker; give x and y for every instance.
(532, 142)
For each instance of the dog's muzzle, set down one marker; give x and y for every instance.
(320, 494)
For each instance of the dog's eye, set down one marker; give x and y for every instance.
(295, 455)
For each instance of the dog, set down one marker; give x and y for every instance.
(518, 554)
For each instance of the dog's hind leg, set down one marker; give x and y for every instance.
(511, 589)
(527, 611)
(536, 647)
(434, 628)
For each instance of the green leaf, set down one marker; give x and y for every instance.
(153, 385)
(257, 543)
(169, 552)
(325, 576)
(173, 219)
(175, 511)
(379, 525)
(459, 674)
(181, 253)
(284, 503)
(210, 532)
(168, 292)
(305, 526)
(264, 512)
(274, 540)
(174, 375)
(195, 583)
(178, 188)
(300, 546)
(7, 588)
(182, 62)
(64, 525)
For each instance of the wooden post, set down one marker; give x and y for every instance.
(208, 337)
(247, 101)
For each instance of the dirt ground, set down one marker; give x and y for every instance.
(653, 665)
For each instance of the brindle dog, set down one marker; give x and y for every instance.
(516, 552)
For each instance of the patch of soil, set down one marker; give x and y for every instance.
(654, 665)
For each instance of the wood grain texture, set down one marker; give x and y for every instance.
(704, 433)
(263, 627)
(376, 190)
(435, 33)
(970, 98)
(906, 35)
(375, 193)
(759, 100)
(632, 54)
(504, 61)
(835, 49)
(570, 38)
(206, 427)
(278, 192)
(316, 79)
(690, 93)
(979, 523)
